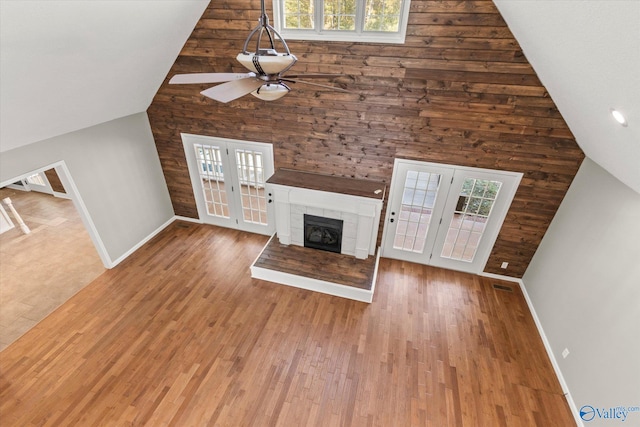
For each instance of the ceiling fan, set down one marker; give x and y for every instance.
(265, 79)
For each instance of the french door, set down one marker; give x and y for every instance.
(446, 216)
(228, 179)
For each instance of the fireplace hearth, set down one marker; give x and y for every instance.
(323, 233)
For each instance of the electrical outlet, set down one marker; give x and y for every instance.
(565, 353)
(504, 265)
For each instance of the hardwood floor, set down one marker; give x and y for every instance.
(180, 335)
(41, 270)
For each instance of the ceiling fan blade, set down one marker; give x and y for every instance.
(339, 89)
(208, 77)
(315, 76)
(232, 90)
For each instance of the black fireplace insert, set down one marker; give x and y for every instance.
(323, 233)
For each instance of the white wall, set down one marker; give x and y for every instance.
(584, 283)
(117, 172)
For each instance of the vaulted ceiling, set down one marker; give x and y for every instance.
(587, 54)
(67, 65)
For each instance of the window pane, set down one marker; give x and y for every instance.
(480, 187)
(298, 14)
(306, 22)
(36, 179)
(291, 21)
(382, 15)
(340, 15)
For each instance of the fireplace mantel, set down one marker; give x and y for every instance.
(357, 202)
(328, 183)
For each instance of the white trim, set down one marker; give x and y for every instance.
(375, 274)
(563, 384)
(501, 277)
(5, 220)
(356, 36)
(330, 288)
(187, 219)
(61, 195)
(70, 186)
(24, 187)
(143, 242)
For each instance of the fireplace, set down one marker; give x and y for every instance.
(323, 233)
(327, 212)
(347, 204)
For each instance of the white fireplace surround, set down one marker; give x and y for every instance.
(361, 216)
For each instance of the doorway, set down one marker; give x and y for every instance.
(41, 270)
(444, 215)
(228, 178)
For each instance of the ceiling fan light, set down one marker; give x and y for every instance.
(270, 91)
(266, 64)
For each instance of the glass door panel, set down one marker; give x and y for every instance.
(475, 209)
(416, 209)
(228, 179)
(416, 199)
(212, 179)
(467, 225)
(252, 186)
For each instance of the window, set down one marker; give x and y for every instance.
(36, 179)
(378, 21)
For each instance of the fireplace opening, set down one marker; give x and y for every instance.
(323, 233)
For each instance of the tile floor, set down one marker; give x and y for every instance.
(41, 270)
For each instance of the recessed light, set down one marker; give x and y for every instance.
(619, 117)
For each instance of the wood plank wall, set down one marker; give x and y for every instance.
(54, 181)
(459, 91)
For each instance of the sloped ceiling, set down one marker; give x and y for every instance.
(67, 65)
(587, 54)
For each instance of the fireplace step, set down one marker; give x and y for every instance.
(327, 272)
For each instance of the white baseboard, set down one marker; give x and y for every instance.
(501, 277)
(61, 195)
(142, 242)
(547, 345)
(187, 219)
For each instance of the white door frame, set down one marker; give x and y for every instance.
(393, 216)
(73, 194)
(439, 224)
(510, 182)
(231, 180)
(46, 188)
